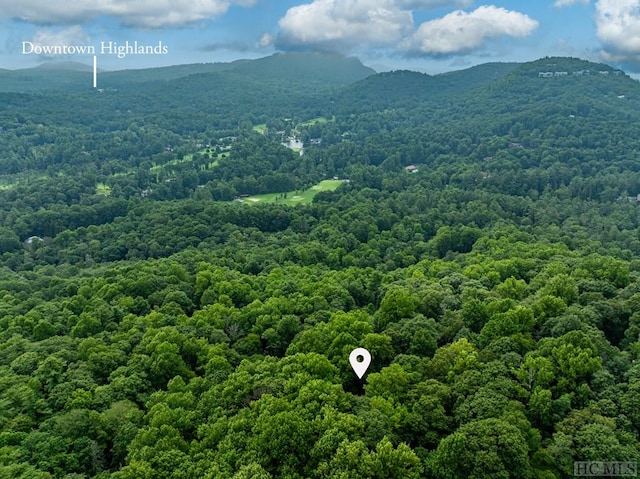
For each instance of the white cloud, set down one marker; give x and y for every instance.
(141, 13)
(431, 4)
(70, 36)
(462, 32)
(567, 3)
(345, 23)
(618, 28)
(266, 40)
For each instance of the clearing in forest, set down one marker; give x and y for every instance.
(296, 197)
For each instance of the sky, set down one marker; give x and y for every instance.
(431, 36)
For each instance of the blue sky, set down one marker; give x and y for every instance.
(424, 35)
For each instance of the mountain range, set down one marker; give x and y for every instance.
(296, 78)
(317, 69)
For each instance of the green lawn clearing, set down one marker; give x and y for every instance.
(205, 151)
(103, 190)
(294, 197)
(261, 128)
(314, 121)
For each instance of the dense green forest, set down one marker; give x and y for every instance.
(484, 246)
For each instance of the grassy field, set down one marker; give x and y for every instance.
(103, 190)
(261, 128)
(189, 157)
(295, 197)
(314, 121)
(8, 182)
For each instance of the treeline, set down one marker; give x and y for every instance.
(519, 348)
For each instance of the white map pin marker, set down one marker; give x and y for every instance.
(360, 367)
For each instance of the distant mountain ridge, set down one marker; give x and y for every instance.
(569, 65)
(281, 85)
(63, 66)
(320, 69)
(406, 87)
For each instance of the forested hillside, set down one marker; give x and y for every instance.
(179, 296)
(316, 70)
